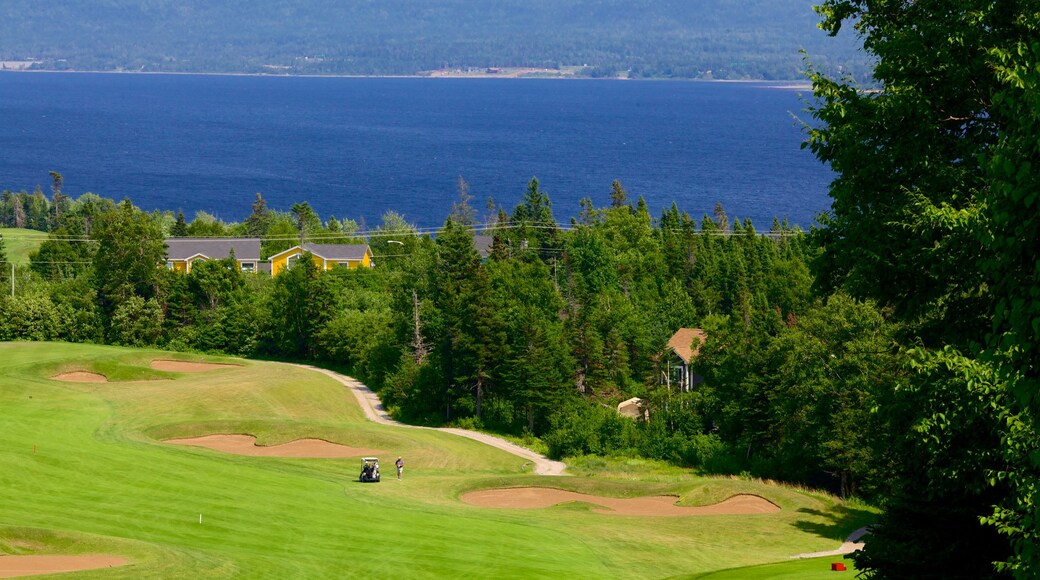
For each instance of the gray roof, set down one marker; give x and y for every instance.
(214, 248)
(483, 245)
(337, 251)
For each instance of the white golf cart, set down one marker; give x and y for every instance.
(369, 470)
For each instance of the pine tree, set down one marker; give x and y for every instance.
(260, 218)
(618, 195)
(180, 227)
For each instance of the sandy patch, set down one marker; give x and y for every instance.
(180, 366)
(543, 497)
(246, 445)
(15, 566)
(81, 377)
(16, 64)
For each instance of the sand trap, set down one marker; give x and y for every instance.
(246, 445)
(15, 566)
(543, 497)
(81, 377)
(180, 366)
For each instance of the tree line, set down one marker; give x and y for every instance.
(541, 335)
(734, 39)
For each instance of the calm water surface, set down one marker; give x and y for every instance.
(357, 148)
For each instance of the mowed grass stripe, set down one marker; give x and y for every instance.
(101, 472)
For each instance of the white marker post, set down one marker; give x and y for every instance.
(200, 519)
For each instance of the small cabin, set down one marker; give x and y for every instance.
(683, 348)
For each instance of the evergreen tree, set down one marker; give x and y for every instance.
(180, 227)
(535, 228)
(462, 213)
(618, 195)
(59, 203)
(460, 286)
(259, 219)
(307, 221)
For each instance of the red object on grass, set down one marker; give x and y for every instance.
(837, 567)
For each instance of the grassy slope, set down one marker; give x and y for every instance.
(812, 569)
(18, 243)
(101, 482)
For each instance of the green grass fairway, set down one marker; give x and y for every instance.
(811, 569)
(19, 243)
(83, 470)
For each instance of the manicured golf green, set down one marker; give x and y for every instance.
(83, 469)
(810, 569)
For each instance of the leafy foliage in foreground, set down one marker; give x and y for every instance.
(934, 217)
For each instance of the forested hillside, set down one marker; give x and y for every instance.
(694, 39)
(542, 338)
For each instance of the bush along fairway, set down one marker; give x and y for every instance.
(85, 469)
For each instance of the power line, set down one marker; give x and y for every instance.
(418, 232)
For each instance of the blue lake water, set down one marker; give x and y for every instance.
(358, 147)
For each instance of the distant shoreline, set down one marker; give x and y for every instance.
(785, 84)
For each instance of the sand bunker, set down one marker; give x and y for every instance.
(543, 497)
(15, 566)
(180, 366)
(246, 445)
(81, 377)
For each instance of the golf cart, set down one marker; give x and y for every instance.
(369, 470)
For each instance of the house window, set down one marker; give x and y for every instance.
(249, 267)
(169, 265)
(291, 259)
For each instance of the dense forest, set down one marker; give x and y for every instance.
(542, 337)
(732, 39)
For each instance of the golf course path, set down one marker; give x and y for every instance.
(375, 411)
(852, 543)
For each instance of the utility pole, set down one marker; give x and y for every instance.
(9, 261)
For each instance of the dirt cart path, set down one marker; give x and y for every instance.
(375, 411)
(851, 544)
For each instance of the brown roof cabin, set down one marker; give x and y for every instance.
(683, 347)
(181, 253)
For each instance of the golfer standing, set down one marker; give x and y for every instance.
(400, 467)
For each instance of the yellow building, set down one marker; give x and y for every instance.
(181, 253)
(325, 256)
